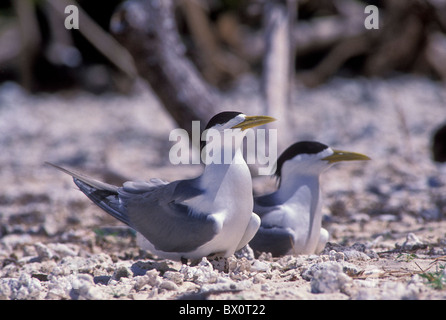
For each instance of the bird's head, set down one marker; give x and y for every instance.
(235, 122)
(311, 158)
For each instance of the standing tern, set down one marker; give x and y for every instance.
(291, 216)
(189, 219)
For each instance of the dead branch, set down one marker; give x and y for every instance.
(100, 39)
(216, 63)
(148, 30)
(277, 62)
(436, 53)
(30, 40)
(334, 60)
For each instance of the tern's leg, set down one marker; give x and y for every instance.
(251, 230)
(323, 239)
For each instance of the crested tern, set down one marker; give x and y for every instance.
(188, 219)
(291, 218)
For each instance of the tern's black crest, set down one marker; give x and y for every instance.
(219, 118)
(302, 147)
(222, 117)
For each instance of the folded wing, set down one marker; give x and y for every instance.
(156, 209)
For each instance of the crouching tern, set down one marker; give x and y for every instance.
(188, 219)
(291, 216)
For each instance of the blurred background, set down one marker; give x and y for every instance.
(214, 44)
(224, 39)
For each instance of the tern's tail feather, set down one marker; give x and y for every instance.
(102, 194)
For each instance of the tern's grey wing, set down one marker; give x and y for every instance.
(102, 194)
(162, 217)
(279, 241)
(96, 184)
(271, 236)
(156, 209)
(264, 204)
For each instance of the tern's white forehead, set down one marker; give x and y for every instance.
(313, 156)
(235, 121)
(306, 164)
(232, 122)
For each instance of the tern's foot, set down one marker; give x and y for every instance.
(196, 262)
(245, 252)
(217, 260)
(191, 262)
(219, 263)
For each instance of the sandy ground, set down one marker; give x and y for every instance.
(386, 218)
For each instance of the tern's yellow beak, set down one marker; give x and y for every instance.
(340, 155)
(253, 121)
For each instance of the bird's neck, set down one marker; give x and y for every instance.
(291, 186)
(226, 176)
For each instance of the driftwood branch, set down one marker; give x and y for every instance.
(436, 53)
(334, 60)
(216, 64)
(30, 38)
(99, 38)
(149, 32)
(277, 62)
